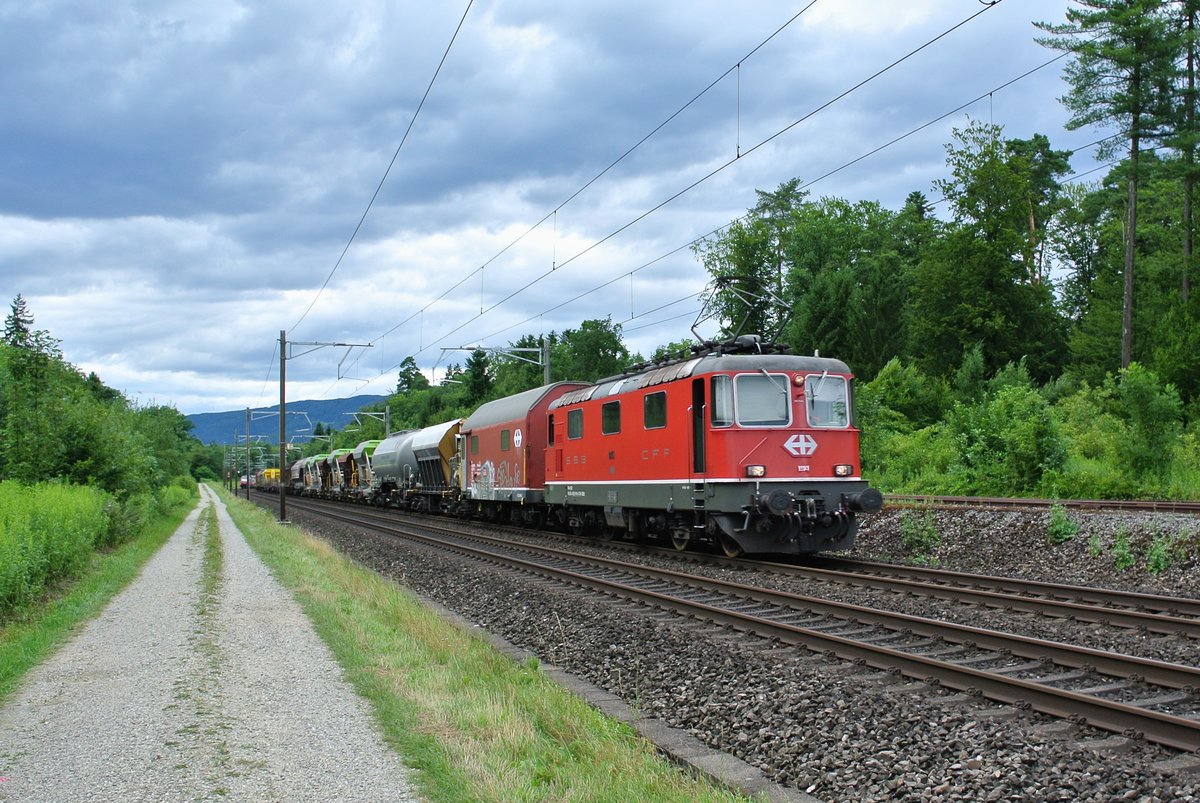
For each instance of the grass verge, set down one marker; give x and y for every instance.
(475, 725)
(33, 634)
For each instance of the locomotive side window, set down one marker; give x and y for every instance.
(722, 401)
(474, 444)
(550, 431)
(574, 424)
(610, 418)
(827, 401)
(505, 440)
(762, 400)
(654, 410)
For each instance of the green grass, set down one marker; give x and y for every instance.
(213, 557)
(33, 633)
(474, 724)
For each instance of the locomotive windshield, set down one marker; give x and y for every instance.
(762, 400)
(827, 401)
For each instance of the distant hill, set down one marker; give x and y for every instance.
(220, 428)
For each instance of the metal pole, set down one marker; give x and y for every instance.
(545, 361)
(247, 454)
(282, 424)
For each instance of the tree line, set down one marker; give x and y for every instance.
(58, 424)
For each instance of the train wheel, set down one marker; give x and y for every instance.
(680, 538)
(729, 546)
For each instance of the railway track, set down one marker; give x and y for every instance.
(1147, 613)
(1164, 615)
(1124, 694)
(1154, 613)
(1138, 505)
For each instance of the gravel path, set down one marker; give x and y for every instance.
(182, 693)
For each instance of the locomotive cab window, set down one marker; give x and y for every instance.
(762, 400)
(610, 418)
(505, 440)
(722, 401)
(474, 444)
(827, 401)
(550, 431)
(574, 424)
(654, 410)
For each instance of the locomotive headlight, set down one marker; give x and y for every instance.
(756, 471)
(843, 471)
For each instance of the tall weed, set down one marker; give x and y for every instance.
(918, 533)
(1122, 551)
(1062, 528)
(1160, 555)
(47, 533)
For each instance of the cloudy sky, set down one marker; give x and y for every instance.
(179, 179)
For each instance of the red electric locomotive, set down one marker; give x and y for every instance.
(754, 451)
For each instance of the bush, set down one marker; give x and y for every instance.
(1083, 478)
(1006, 443)
(904, 397)
(916, 462)
(1183, 481)
(1123, 556)
(1153, 411)
(174, 497)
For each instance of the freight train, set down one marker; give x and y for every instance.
(740, 446)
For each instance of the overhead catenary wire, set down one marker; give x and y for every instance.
(553, 214)
(695, 241)
(623, 275)
(719, 169)
(485, 309)
(391, 164)
(807, 184)
(375, 195)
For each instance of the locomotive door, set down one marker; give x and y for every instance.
(699, 457)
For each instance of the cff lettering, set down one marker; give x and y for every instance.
(651, 454)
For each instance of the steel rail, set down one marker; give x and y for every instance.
(1167, 729)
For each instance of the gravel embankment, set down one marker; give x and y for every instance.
(823, 726)
(179, 694)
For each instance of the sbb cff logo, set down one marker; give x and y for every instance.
(801, 445)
